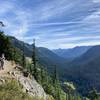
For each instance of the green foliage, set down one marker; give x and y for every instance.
(11, 52)
(46, 81)
(93, 95)
(55, 77)
(23, 57)
(17, 55)
(5, 46)
(11, 90)
(34, 67)
(52, 86)
(1, 24)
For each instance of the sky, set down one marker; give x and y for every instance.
(53, 23)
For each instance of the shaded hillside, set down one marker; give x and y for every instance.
(19, 44)
(85, 70)
(91, 54)
(44, 56)
(49, 59)
(72, 53)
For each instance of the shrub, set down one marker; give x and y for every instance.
(11, 90)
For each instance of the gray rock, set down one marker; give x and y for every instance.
(32, 87)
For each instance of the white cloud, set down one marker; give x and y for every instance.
(5, 7)
(18, 25)
(93, 18)
(50, 9)
(69, 42)
(71, 45)
(74, 38)
(96, 1)
(37, 19)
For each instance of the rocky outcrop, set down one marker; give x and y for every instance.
(28, 84)
(32, 87)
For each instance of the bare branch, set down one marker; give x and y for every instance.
(2, 24)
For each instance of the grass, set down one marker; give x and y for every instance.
(11, 90)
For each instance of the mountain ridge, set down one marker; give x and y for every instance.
(85, 70)
(73, 52)
(44, 56)
(80, 70)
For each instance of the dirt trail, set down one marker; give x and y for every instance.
(8, 66)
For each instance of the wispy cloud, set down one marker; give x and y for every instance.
(71, 45)
(96, 1)
(54, 23)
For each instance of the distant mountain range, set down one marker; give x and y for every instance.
(85, 70)
(73, 53)
(80, 64)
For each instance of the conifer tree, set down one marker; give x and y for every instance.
(5, 45)
(56, 84)
(14, 54)
(59, 98)
(42, 76)
(46, 76)
(34, 62)
(23, 58)
(55, 75)
(93, 94)
(1, 24)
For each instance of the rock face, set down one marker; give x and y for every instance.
(28, 85)
(32, 87)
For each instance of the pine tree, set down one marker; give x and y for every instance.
(59, 92)
(5, 46)
(46, 76)
(93, 94)
(55, 75)
(56, 84)
(34, 62)
(1, 24)
(23, 58)
(42, 76)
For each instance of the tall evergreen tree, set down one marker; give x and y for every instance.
(93, 94)
(1, 24)
(5, 45)
(55, 75)
(56, 84)
(34, 61)
(23, 58)
(42, 76)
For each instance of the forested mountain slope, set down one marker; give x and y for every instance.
(85, 70)
(72, 53)
(44, 56)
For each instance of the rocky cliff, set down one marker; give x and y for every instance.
(29, 85)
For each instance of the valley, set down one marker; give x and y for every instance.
(82, 69)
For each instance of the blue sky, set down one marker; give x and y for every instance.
(53, 23)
